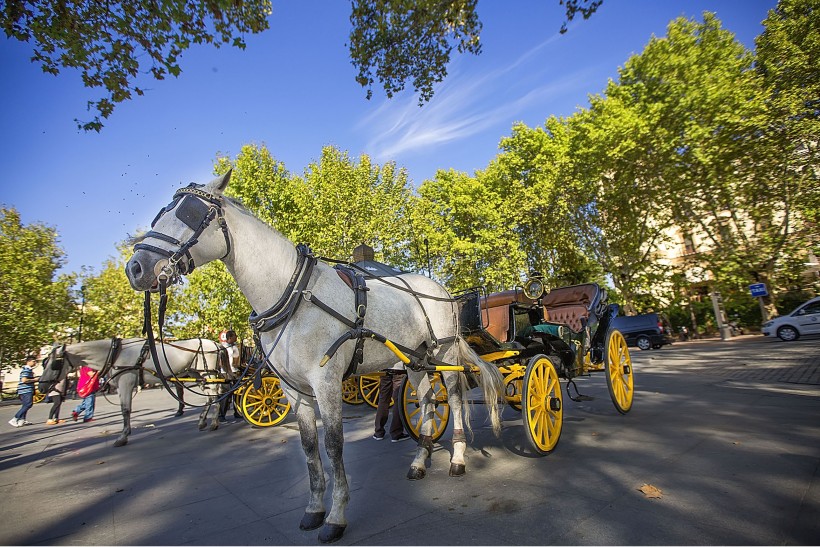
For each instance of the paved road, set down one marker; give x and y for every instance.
(729, 432)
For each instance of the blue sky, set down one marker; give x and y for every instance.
(293, 90)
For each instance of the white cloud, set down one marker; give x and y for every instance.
(464, 105)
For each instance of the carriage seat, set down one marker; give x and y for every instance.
(570, 305)
(496, 314)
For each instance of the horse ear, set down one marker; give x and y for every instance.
(220, 183)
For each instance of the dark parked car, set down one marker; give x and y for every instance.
(645, 331)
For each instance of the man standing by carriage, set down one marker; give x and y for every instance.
(228, 340)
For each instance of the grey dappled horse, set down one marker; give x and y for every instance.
(304, 332)
(132, 361)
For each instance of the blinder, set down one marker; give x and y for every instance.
(57, 358)
(191, 211)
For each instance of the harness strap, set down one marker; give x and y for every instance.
(289, 301)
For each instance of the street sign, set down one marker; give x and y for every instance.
(758, 289)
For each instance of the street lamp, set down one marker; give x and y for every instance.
(82, 311)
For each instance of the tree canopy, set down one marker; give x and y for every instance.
(115, 44)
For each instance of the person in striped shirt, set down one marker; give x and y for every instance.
(25, 390)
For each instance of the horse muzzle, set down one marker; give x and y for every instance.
(143, 271)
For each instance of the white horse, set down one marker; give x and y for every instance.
(127, 363)
(311, 333)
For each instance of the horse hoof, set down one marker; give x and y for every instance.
(202, 426)
(457, 469)
(331, 533)
(214, 426)
(178, 414)
(416, 473)
(120, 442)
(311, 521)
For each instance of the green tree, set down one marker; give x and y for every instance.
(469, 227)
(112, 43)
(718, 162)
(786, 58)
(396, 41)
(35, 303)
(112, 308)
(536, 178)
(337, 205)
(343, 203)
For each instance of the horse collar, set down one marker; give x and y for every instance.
(286, 306)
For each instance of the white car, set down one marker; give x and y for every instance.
(805, 319)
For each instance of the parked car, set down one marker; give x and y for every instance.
(805, 319)
(645, 331)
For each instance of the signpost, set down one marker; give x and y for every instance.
(758, 291)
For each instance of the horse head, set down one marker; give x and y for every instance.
(54, 369)
(188, 232)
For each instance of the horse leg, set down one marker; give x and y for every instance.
(181, 399)
(330, 406)
(315, 511)
(215, 419)
(456, 390)
(125, 388)
(203, 417)
(418, 467)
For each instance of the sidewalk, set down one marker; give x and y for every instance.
(736, 460)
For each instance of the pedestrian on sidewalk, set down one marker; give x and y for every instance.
(25, 390)
(87, 386)
(390, 388)
(57, 395)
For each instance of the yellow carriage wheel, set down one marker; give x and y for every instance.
(513, 385)
(543, 405)
(369, 387)
(619, 377)
(410, 410)
(266, 406)
(350, 391)
(38, 397)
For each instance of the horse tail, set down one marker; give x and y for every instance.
(490, 380)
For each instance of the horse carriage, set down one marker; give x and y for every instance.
(257, 394)
(535, 337)
(329, 324)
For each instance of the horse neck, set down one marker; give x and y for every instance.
(261, 261)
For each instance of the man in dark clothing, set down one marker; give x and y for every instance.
(390, 388)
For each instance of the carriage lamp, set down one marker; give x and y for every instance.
(534, 288)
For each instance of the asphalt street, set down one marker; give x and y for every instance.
(722, 447)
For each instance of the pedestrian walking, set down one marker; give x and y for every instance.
(25, 390)
(87, 386)
(57, 396)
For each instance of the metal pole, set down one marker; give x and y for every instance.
(82, 312)
(763, 313)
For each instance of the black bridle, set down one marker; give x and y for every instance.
(196, 208)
